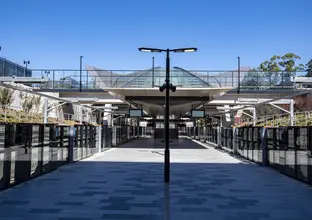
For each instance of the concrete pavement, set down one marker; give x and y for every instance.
(127, 183)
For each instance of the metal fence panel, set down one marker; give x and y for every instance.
(291, 153)
(28, 150)
(302, 160)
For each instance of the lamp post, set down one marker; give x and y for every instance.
(80, 85)
(238, 70)
(2, 64)
(153, 73)
(167, 86)
(26, 63)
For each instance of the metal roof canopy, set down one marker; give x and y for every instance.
(274, 103)
(246, 101)
(20, 79)
(179, 92)
(16, 87)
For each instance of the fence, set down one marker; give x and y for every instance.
(29, 150)
(286, 149)
(208, 133)
(96, 79)
(300, 119)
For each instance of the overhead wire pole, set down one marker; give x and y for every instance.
(80, 85)
(167, 86)
(153, 73)
(238, 70)
(2, 65)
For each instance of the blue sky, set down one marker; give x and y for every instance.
(53, 34)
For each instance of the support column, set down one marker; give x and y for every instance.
(80, 110)
(254, 116)
(45, 111)
(292, 117)
(108, 117)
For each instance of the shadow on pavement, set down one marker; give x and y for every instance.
(135, 190)
(181, 143)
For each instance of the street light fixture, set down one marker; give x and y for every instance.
(167, 86)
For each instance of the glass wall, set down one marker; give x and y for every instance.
(8, 68)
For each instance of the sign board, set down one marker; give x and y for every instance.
(143, 124)
(198, 113)
(189, 124)
(135, 112)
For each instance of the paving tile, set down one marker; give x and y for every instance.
(14, 203)
(70, 203)
(45, 211)
(127, 183)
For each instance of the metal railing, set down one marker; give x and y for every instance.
(99, 79)
(15, 114)
(30, 150)
(286, 149)
(300, 119)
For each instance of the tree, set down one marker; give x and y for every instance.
(288, 62)
(28, 102)
(289, 67)
(6, 97)
(37, 103)
(270, 69)
(309, 68)
(283, 67)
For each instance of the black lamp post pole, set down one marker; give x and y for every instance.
(167, 86)
(80, 85)
(238, 69)
(153, 73)
(2, 65)
(167, 151)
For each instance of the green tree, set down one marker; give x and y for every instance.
(309, 68)
(288, 63)
(281, 67)
(270, 68)
(6, 97)
(28, 102)
(289, 67)
(37, 103)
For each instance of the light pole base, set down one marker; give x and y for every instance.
(167, 166)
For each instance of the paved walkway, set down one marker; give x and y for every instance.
(127, 183)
